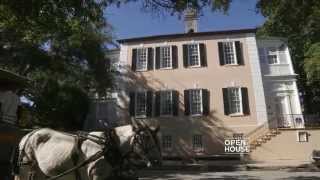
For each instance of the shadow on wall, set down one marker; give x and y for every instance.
(182, 128)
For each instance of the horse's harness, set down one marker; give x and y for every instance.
(110, 150)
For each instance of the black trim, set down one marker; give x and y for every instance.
(203, 54)
(149, 103)
(150, 58)
(132, 104)
(134, 60)
(157, 57)
(175, 99)
(226, 101)
(174, 55)
(185, 55)
(205, 102)
(221, 54)
(157, 104)
(184, 35)
(245, 101)
(187, 102)
(239, 51)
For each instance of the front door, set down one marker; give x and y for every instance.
(282, 111)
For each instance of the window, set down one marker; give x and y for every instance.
(302, 136)
(197, 142)
(165, 57)
(141, 104)
(195, 101)
(142, 60)
(193, 55)
(272, 56)
(166, 142)
(166, 103)
(229, 51)
(235, 100)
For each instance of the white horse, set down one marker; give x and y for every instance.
(46, 153)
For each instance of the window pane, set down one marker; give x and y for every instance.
(142, 59)
(193, 55)
(165, 57)
(235, 100)
(141, 101)
(166, 142)
(272, 56)
(195, 101)
(197, 142)
(229, 53)
(166, 103)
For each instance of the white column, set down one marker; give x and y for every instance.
(261, 109)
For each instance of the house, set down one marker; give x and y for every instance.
(205, 87)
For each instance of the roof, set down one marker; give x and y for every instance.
(12, 78)
(194, 34)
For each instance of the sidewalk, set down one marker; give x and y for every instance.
(237, 165)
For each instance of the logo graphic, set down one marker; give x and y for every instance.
(236, 145)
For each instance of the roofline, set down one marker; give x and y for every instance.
(195, 34)
(11, 77)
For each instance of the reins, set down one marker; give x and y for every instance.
(101, 141)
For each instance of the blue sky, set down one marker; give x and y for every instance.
(130, 21)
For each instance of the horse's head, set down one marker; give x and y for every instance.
(146, 147)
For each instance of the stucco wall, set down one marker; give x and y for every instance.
(286, 146)
(214, 77)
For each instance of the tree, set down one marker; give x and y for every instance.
(298, 21)
(61, 46)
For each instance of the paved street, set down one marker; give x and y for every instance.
(235, 175)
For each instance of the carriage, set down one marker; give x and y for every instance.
(10, 133)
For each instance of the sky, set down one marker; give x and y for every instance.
(130, 21)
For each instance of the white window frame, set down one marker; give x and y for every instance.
(273, 52)
(199, 60)
(234, 53)
(230, 101)
(197, 147)
(305, 138)
(171, 94)
(137, 59)
(161, 58)
(167, 145)
(190, 102)
(136, 103)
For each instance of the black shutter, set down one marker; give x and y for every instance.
(149, 103)
(245, 101)
(132, 104)
(226, 101)
(221, 54)
(239, 52)
(157, 103)
(187, 102)
(185, 55)
(134, 60)
(205, 102)
(203, 55)
(175, 103)
(174, 55)
(150, 58)
(157, 57)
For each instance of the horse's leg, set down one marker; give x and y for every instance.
(24, 172)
